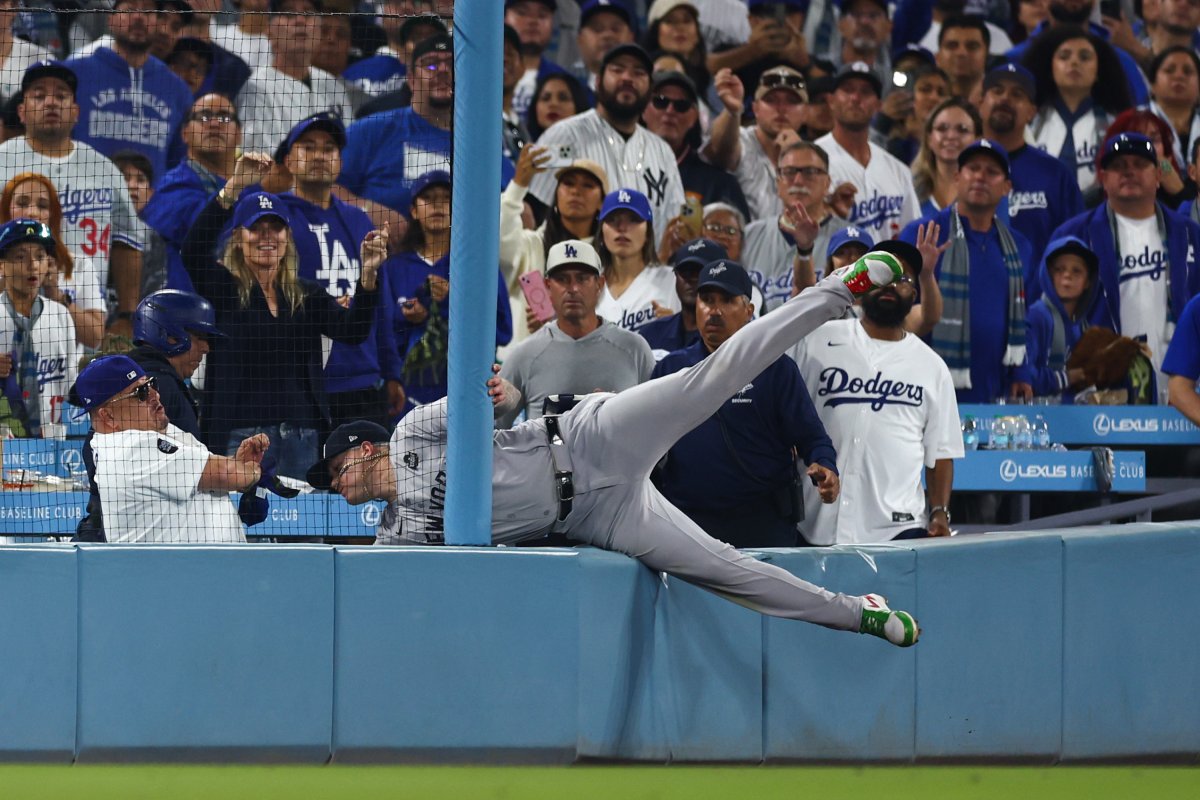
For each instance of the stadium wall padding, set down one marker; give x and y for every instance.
(1038, 647)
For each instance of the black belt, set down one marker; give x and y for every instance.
(564, 484)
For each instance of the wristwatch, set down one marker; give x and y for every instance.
(942, 509)
(804, 252)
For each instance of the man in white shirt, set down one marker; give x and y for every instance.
(16, 54)
(278, 96)
(158, 483)
(887, 402)
(885, 200)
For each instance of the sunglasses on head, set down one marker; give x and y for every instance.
(779, 81)
(661, 102)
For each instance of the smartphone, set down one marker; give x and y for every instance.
(780, 12)
(561, 155)
(1111, 8)
(690, 212)
(533, 285)
(899, 79)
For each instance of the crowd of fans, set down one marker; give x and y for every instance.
(1041, 158)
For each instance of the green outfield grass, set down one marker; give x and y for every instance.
(610, 783)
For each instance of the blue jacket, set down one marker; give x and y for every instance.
(403, 278)
(121, 108)
(1133, 73)
(376, 75)
(1045, 369)
(328, 241)
(179, 196)
(764, 421)
(1183, 248)
(1045, 194)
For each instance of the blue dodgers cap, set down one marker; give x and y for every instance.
(590, 8)
(630, 199)
(16, 231)
(344, 437)
(1012, 72)
(989, 148)
(435, 177)
(256, 205)
(49, 69)
(698, 252)
(326, 121)
(851, 235)
(104, 379)
(728, 276)
(914, 49)
(1128, 144)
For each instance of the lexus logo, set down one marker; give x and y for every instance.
(1008, 470)
(370, 515)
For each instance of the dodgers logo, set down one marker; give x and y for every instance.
(624, 196)
(877, 391)
(1026, 201)
(718, 269)
(265, 202)
(876, 211)
(1147, 263)
(696, 245)
(570, 251)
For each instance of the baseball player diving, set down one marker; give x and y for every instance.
(596, 460)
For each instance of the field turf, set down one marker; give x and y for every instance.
(609, 782)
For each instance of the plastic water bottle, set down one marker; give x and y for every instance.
(1041, 433)
(970, 434)
(1001, 433)
(1022, 433)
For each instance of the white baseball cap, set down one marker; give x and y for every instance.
(573, 252)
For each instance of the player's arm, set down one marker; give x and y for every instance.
(938, 482)
(724, 148)
(506, 398)
(223, 474)
(126, 268)
(1181, 393)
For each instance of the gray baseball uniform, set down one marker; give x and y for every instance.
(612, 442)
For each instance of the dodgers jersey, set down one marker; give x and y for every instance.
(644, 162)
(635, 307)
(44, 342)
(148, 489)
(886, 200)
(890, 409)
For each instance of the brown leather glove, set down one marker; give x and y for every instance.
(1110, 366)
(1094, 340)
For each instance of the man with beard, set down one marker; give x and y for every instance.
(1079, 13)
(864, 31)
(533, 20)
(805, 225)
(667, 334)
(1045, 193)
(735, 473)
(981, 334)
(328, 235)
(611, 135)
(128, 99)
(750, 152)
(213, 135)
(1177, 26)
(879, 389)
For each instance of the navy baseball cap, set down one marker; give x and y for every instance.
(1012, 72)
(438, 43)
(1128, 144)
(858, 69)
(326, 121)
(422, 20)
(697, 253)
(842, 4)
(590, 8)
(851, 235)
(16, 231)
(988, 147)
(344, 437)
(256, 205)
(906, 252)
(104, 379)
(627, 49)
(630, 199)
(49, 69)
(435, 177)
(728, 276)
(674, 78)
(756, 6)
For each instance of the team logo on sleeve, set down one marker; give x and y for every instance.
(411, 460)
(167, 447)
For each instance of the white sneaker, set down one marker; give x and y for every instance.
(898, 627)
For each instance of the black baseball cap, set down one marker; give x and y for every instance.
(858, 69)
(627, 49)
(1128, 144)
(906, 252)
(674, 78)
(988, 148)
(438, 43)
(697, 253)
(726, 275)
(344, 437)
(427, 20)
(49, 69)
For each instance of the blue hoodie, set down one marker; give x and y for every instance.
(179, 197)
(122, 108)
(1045, 367)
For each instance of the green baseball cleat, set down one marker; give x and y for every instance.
(873, 270)
(898, 627)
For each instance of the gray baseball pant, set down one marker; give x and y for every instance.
(615, 441)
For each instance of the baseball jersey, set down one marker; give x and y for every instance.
(635, 307)
(1074, 142)
(889, 408)
(44, 344)
(126, 108)
(148, 489)
(1143, 284)
(768, 253)
(644, 162)
(1045, 194)
(385, 153)
(378, 74)
(97, 210)
(755, 172)
(886, 200)
(271, 103)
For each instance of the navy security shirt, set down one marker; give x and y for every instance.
(667, 334)
(764, 421)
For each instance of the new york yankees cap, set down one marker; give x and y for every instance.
(344, 437)
(629, 199)
(256, 205)
(697, 253)
(726, 275)
(104, 379)
(573, 252)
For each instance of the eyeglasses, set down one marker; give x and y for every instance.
(905, 279)
(728, 230)
(944, 127)
(782, 81)
(223, 117)
(661, 102)
(790, 173)
(141, 392)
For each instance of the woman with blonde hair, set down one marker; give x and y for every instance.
(952, 126)
(75, 283)
(266, 376)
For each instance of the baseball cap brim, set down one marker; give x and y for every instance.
(997, 155)
(850, 74)
(628, 49)
(49, 69)
(906, 252)
(343, 438)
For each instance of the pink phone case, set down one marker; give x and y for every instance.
(534, 287)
